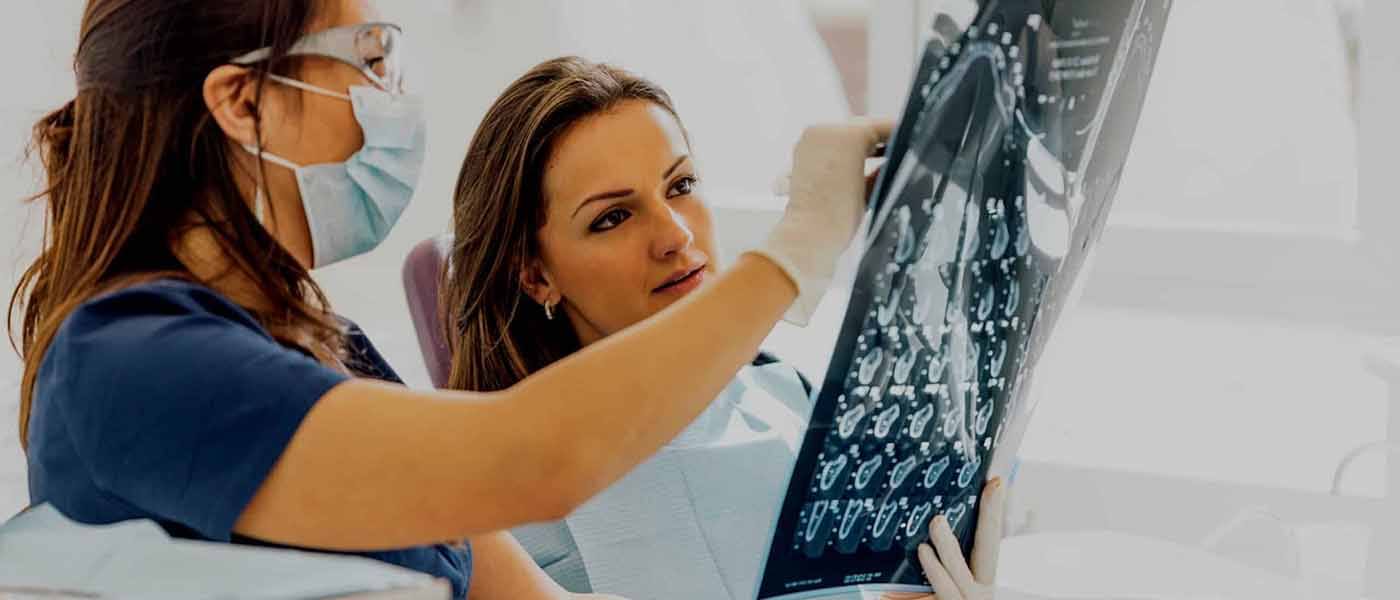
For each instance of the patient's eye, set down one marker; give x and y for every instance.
(684, 186)
(609, 220)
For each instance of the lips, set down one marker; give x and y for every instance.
(682, 281)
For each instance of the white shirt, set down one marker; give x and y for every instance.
(695, 520)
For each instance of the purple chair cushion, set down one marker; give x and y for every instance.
(551, 545)
(422, 278)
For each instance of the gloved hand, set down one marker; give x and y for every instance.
(827, 193)
(943, 562)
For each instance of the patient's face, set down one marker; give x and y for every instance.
(627, 232)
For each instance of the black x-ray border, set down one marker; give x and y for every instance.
(790, 574)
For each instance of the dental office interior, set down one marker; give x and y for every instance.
(1216, 416)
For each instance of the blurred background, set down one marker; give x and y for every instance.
(1235, 339)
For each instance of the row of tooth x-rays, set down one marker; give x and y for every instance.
(1005, 163)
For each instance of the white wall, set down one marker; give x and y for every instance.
(1226, 149)
(43, 33)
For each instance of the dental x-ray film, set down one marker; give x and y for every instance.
(999, 179)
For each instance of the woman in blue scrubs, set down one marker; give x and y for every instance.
(181, 365)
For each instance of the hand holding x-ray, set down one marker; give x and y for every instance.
(826, 204)
(943, 562)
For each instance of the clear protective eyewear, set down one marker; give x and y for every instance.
(374, 49)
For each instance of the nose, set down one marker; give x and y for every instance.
(672, 234)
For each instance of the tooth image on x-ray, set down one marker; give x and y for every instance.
(996, 185)
(953, 421)
(1001, 239)
(885, 422)
(901, 471)
(934, 472)
(968, 470)
(936, 366)
(883, 529)
(904, 366)
(850, 420)
(870, 365)
(955, 515)
(814, 521)
(919, 422)
(867, 471)
(834, 472)
(848, 536)
(818, 528)
(886, 311)
(998, 358)
(914, 526)
(984, 307)
(984, 418)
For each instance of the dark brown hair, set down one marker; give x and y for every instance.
(136, 157)
(499, 208)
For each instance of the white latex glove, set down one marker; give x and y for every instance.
(943, 562)
(826, 201)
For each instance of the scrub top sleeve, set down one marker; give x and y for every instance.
(178, 402)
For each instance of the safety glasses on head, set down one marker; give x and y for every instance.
(372, 48)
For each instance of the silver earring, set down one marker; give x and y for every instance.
(549, 310)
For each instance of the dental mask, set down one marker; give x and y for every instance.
(351, 206)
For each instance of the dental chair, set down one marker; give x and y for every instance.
(422, 277)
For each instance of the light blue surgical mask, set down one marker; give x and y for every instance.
(351, 206)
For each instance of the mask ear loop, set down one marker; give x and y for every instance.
(260, 203)
(302, 85)
(260, 199)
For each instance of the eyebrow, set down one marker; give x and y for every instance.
(603, 196)
(674, 166)
(625, 193)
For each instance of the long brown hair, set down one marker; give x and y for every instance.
(136, 157)
(499, 208)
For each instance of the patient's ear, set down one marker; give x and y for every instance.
(535, 280)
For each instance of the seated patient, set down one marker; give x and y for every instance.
(579, 212)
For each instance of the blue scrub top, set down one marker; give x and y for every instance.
(166, 401)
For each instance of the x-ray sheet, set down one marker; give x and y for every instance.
(1001, 174)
